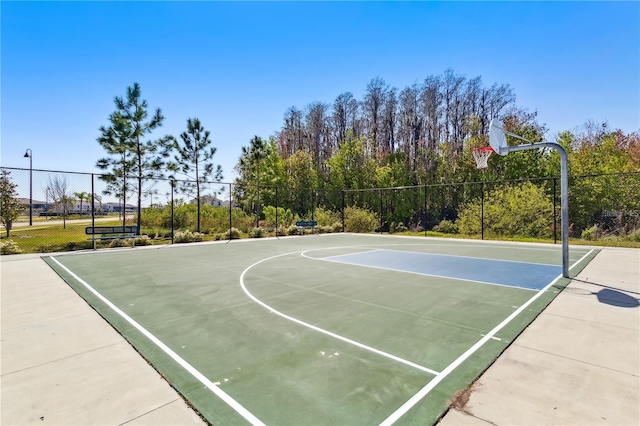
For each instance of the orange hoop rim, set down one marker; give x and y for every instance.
(483, 149)
(481, 155)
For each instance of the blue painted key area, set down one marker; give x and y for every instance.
(500, 272)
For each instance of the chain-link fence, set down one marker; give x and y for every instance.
(58, 207)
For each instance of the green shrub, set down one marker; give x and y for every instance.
(446, 227)
(257, 233)
(634, 236)
(120, 242)
(293, 230)
(187, 237)
(325, 217)
(285, 217)
(152, 217)
(144, 240)
(469, 219)
(591, 234)
(325, 229)
(9, 247)
(185, 216)
(399, 227)
(337, 226)
(360, 220)
(232, 234)
(522, 210)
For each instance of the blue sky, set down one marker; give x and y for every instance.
(238, 66)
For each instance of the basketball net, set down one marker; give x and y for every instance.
(481, 155)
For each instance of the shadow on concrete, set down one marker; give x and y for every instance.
(607, 295)
(617, 298)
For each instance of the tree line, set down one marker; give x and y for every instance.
(420, 135)
(414, 121)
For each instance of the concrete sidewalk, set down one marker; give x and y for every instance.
(63, 364)
(578, 363)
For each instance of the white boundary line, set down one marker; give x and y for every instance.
(321, 330)
(471, 242)
(326, 259)
(472, 257)
(432, 384)
(177, 358)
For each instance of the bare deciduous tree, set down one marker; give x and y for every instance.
(291, 137)
(417, 121)
(372, 108)
(317, 125)
(411, 124)
(57, 191)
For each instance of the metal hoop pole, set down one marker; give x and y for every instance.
(482, 211)
(555, 219)
(564, 194)
(230, 212)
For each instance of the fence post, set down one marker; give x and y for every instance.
(258, 202)
(424, 216)
(173, 184)
(482, 211)
(276, 212)
(555, 220)
(230, 211)
(342, 192)
(380, 191)
(314, 200)
(93, 209)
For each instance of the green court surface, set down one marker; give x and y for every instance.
(322, 330)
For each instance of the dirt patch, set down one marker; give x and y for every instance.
(459, 399)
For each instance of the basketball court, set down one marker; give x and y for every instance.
(332, 329)
(335, 329)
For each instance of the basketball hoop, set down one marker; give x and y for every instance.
(481, 155)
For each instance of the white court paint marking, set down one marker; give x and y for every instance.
(471, 257)
(324, 259)
(432, 384)
(177, 358)
(507, 245)
(322, 330)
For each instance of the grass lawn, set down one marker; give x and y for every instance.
(50, 235)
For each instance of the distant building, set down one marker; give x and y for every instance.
(117, 208)
(44, 208)
(208, 199)
(85, 206)
(37, 205)
(212, 201)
